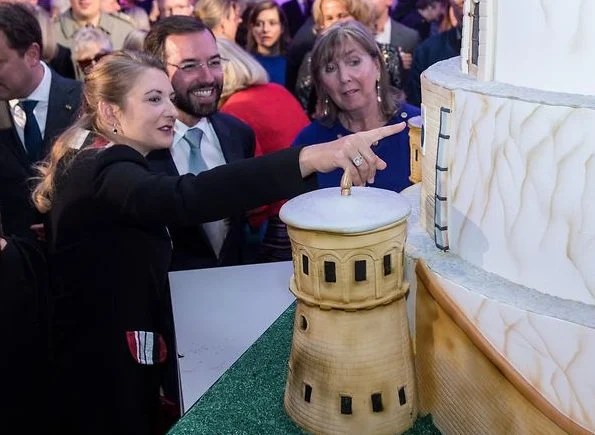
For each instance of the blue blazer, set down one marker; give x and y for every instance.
(191, 247)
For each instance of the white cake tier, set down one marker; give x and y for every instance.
(543, 44)
(509, 180)
(549, 341)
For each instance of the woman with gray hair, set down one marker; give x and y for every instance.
(89, 46)
(354, 94)
(276, 118)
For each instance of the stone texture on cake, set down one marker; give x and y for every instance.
(516, 196)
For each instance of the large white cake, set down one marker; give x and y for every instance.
(507, 213)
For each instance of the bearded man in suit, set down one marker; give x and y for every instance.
(36, 104)
(204, 138)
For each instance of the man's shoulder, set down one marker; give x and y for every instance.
(65, 84)
(120, 19)
(230, 121)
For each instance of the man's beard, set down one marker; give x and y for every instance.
(185, 104)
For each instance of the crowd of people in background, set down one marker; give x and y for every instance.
(139, 137)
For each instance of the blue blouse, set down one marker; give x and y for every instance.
(275, 66)
(394, 150)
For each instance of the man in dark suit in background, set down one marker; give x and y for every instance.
(297, 12)
(36, 104)
(203, 137)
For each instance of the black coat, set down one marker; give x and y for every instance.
(192, 249)
(110, 253)
(18, 213)
(25, 345)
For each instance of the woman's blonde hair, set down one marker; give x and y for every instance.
(48, 39)
(328, 46)
(241, 71)
(360, 10)
(211, 12)
(104, 83)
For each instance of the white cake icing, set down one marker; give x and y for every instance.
(366, 209)
(520, 181)
(542, 44)
(508, 190)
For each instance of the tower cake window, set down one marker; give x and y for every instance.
(303, 323)
(360, 270)
(346, 405)
(305, 265)
(402, 396)
(387, 266)
(377, 402)
(475, 34)
(307, 392)
(330, 274)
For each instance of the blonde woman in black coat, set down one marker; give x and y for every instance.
(109, 244)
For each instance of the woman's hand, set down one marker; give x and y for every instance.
(352, 153)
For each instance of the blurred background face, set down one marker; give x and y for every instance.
(85, 9)
(267, 30)
(333, 11)
(167, 8)
(435, 11)
(88, 56)
(350, 79)
(230, 23)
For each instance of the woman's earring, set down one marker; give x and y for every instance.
(115, 129)
(378, 97)
(325, 111)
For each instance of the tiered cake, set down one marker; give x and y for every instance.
(504, 244)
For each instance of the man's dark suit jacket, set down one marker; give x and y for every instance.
(192, 249)
(18, 213)
(294, 15)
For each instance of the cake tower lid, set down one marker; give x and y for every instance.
(365, 209)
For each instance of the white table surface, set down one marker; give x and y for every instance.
(219, 313)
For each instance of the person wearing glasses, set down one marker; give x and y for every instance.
(89, 45)
(188, 50)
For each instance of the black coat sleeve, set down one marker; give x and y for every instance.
(122, 180)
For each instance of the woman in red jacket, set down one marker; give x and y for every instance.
(276, 118)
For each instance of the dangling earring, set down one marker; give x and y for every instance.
(115, 129)
(378, 97)
(325, 111)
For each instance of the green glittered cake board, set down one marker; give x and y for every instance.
(248, 398)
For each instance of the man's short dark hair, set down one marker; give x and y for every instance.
(19, 25)
(174, 25)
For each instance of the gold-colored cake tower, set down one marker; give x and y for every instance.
(351, 368)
